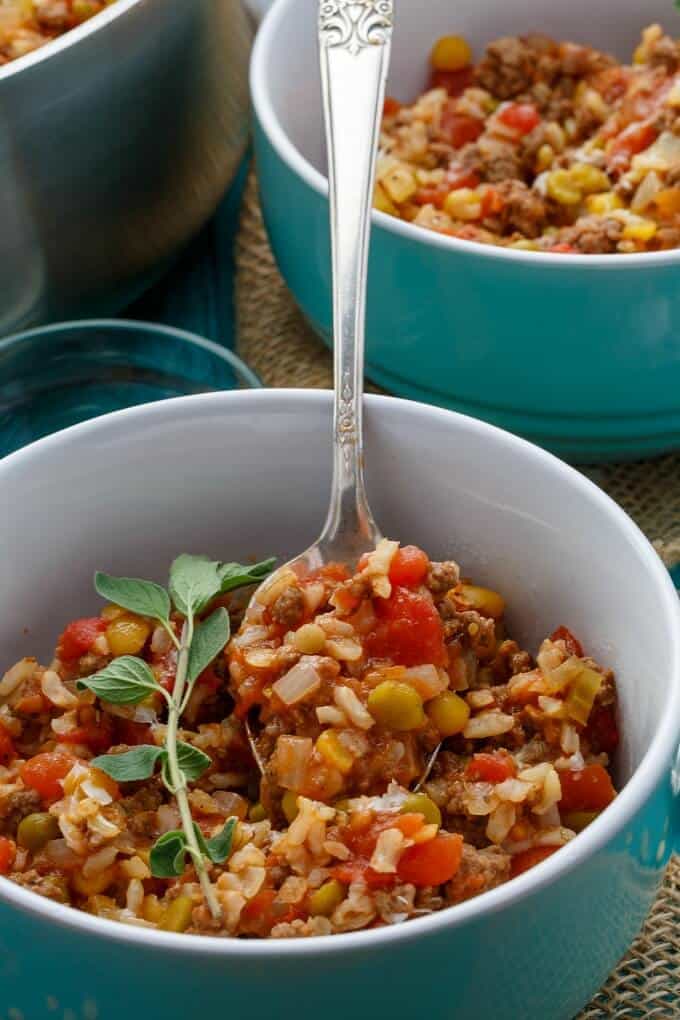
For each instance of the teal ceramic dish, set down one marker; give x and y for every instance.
(59, 375)
(238, 473)
(580, 354)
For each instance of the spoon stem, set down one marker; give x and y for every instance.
(355, 38)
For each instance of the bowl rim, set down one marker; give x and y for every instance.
(652, 772)
(68, 39)
(135, 326)
(267, 51)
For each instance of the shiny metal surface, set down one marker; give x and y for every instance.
(116, 143)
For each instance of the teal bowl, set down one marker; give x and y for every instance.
(248, 472)
(580, 354)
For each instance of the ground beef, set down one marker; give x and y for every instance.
(593, 235)
(668, 237)
(442, 577)
(289, 608)
(15, 807)
(141, 808)
(524, 210)
(54, 887)
(480, 870)
(491, 159)
(511, 65)
(53, 15)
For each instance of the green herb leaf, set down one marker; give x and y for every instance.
(168, 855)
(191, 761)
(236, 575)
(219, 847)
(138, 763)
(143, 597)
(210, 637)
(125, 681)
(194, 582)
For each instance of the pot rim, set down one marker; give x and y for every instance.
(68, 39)
(653, 770)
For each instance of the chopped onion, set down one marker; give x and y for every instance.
(17, 674)
(313, 595)
(427, 680)
(651, 184)
(60, 852)
(501, 822)
(299, 682)
(661, 154)
(488, 724)
(291, 759)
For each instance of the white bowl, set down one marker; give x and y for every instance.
(240, 474)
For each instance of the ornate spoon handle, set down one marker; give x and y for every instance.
(355, 38)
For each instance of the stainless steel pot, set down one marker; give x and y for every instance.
(116, 142)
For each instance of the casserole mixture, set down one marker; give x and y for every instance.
(367, 748)
(542, 146)
(27, 24)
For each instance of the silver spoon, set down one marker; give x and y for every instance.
(354, 40)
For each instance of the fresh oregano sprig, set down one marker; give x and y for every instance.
(195, 581)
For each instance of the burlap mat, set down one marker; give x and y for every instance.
(278, 344)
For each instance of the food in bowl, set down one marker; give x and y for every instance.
(541, 145)
(367, 748)
(25, 25)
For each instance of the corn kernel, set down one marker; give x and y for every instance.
(328, 745)
(309, 639)
(257, 813)
(112, 612)
(93, 885)
(600, 205)
(151, 909)
(448, 713)
(588, 178)
(177, 916)
(289, 806)
(324, 900)
(450, 53)
(421, 804)
(463, 204)
(382, 201)
(127, 635)
(562, 189)
(544, 158)
(396, 706)
(577, 821)
(483, 600)
(639, 230)
(399, 183)
(667, 201)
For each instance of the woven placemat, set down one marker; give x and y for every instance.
(277, 343)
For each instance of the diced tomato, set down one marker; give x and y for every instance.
(588, 789)
(431, 195)
(409, 566)
(97, 737)
(459, 128)
(132, 733)
(8, 852)
(431, 863)
(409, 823)
(520, 117)
(79, 636)
(359, 870)
(490, 768)
(633, 139)
(492, 203)
(409, 631)
(391, 106)
(263, 912)
(572, 644)
(331, 572)
(529, 858)
(44, 773)
(7, 752)
(563, 249)
(455, 82)
(602, 731)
